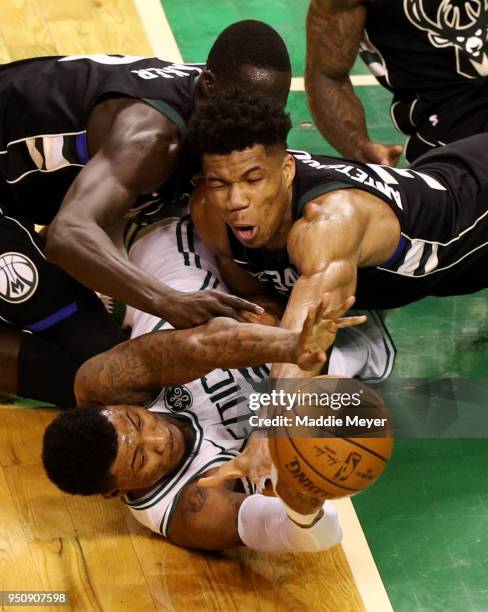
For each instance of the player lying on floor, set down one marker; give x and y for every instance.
(153, 458)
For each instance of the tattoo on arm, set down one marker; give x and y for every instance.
(134, 371)
(195, 500)
(332, 45)
(206, 519)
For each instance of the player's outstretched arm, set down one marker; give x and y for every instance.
(350, 228)
(139, 153)
(136, 370)
(333, 38)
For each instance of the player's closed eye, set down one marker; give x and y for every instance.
(216, 185)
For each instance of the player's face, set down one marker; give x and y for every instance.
(149, 447)
(252, 191)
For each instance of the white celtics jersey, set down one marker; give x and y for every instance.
(216, 405)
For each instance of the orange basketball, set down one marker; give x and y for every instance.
(334, 441)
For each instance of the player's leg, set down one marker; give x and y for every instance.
(366, 351)
(35, 368)
(68, 320)
(461, 117)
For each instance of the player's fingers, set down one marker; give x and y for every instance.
(226, 472)
(237, 303)
(350, 321)
(309, 322)
(338, 311)
(257, 474)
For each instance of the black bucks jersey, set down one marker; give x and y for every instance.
(45, 104)
(427, 45)
(433, 54)
(441, 202)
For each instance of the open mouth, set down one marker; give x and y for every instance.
(246, 232)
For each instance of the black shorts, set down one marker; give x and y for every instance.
(38, 297)
(434, 123)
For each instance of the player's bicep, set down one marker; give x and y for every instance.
(206, 519)
(139, 153)
(325, 245)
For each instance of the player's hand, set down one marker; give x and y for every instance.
(263, 319)
(187, 310)
(320, 329)
(297, 500)
(254, 463)
(378, 153)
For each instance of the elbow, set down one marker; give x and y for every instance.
(56, 242)
(80, 387)
(62, 236)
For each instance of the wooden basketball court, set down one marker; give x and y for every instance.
(93, 548)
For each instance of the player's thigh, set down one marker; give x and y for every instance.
(40, 297)
(31, 288)
(446, 128)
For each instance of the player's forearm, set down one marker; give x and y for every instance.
(339, 282)
(86, 252)
(333, 39)
(338, 113)
(134, 371)
(224, 344)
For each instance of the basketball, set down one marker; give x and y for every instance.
(334, 441)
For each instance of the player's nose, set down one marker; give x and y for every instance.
(237, 199)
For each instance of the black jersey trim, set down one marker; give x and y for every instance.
(170, 112)
(317, 191)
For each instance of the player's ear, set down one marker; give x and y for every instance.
(207, 83)
(289, 169)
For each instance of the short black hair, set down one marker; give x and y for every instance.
(79, 448)
(248, 43)
(235, 121)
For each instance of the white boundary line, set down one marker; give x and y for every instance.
(158, 31)
(358, 80)
(163, 43)
(363, 567)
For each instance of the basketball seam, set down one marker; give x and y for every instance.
(351, 440)
(318, 473)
